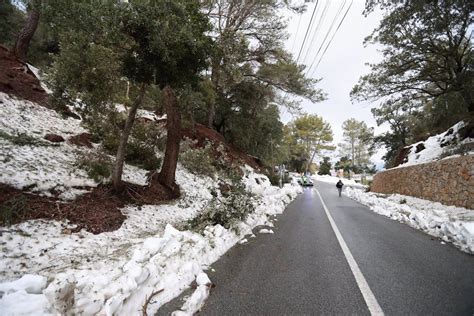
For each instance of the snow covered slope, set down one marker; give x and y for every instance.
(437, 147)
(47, 269)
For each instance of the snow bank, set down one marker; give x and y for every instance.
(46, 269)
(334, 180)
(451, 224)
(436, 146)
(114, 273)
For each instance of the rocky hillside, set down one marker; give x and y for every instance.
(457, 140)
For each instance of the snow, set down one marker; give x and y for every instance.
(46, 269)
(265, 231)
(45, 167)
(334, 180)
(449, 223)
(433, 149)
(113, 273)
(141, 113)
(37, 74)
(33, 284)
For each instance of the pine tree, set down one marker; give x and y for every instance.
(357, 145)
(427, 52)
(325, 166)
(310, 134)
(149, 44)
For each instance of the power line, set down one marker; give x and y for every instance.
(307, 29)
(316, 29)
(327, 46)
(296, 34)
(326, 36)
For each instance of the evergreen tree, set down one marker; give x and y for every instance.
(22, 42)
(325, 166)
(11, 20)
(155, 43)
(344, 164)
(309, 135)
(357, 145)
(427, 52)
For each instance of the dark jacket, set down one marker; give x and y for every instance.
(339, 184)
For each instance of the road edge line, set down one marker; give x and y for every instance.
(364, 288)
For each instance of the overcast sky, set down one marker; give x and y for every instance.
(342, 64)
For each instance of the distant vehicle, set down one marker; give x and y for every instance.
(305, 181)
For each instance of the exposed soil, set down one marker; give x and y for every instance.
(16, 79)
(83, 139)
(97, 211)
(203, 134)
(401, 156)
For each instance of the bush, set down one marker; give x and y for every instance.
(25, 140)
(403, 201)
(274, 178)
(369, 186)
(142, 155)
(226, 211)
(12, 209)
(144, 141)
(198, 160)
(98, 166)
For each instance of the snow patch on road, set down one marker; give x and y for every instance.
(451, 224)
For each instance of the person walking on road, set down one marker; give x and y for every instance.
(339, 185)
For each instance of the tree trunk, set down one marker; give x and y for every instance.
(466, 94)
(310, 161)
(173, 127)
(119, 160)
(26, 34)
(211, 113)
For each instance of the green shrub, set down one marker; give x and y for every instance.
(198, 160)
(226, 211)
(141, 155)
(25, 140)
(274, 178)
(98, 166)
(369, 186)
(12, 209)
(456, 149)
(144, 141)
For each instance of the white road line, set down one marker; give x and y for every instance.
(369, 297)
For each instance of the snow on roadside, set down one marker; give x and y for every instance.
(334, 180)
(114, 273)
(451, 224)
(110, 272)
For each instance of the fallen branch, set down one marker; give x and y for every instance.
(148, 300)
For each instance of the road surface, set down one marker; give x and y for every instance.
(362, 263)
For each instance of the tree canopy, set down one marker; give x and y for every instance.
(427, 51)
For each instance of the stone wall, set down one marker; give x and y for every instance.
(449, 181)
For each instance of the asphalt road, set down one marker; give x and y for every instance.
(302, 269)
